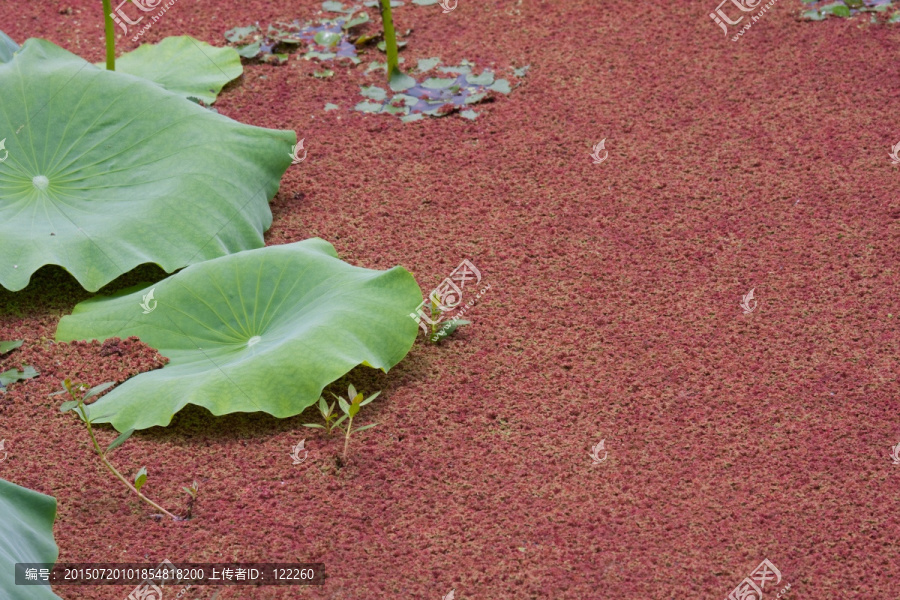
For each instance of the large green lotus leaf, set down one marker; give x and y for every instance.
(261, 330)
(185, 66)
(7, 48)
(26, 536)
(106, 171)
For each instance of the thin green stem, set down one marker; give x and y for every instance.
(112, 469)
(110, 36)
(347, 438)
(390, 38)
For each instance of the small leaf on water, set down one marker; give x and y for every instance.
(486, 78)
(401, 82)
(320, 55)
(249, 51)
(363, 18)
(119, 441)
(368, 106)
(469, 114)
(476, 98)
(327, 38)
(9, 346)
(438, 83)
(140, 478)
(373, 92)
(14, 375)
(411, 118)
(502, 86)
(426, 64)
(238, 33)
(338, 7)
(324, 74)
(330, 106)
(382, 45)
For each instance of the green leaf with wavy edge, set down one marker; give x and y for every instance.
(7, 48)
(111, 171)
(13, 375)
(184, 65)
(263, 330)
(26, 536)
(10, 346)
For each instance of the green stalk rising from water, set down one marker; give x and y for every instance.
(110, 36)
(390, 38)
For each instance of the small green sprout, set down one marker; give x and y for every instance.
(79, 392)
(329, 415)
(350, 410)
(439, 331)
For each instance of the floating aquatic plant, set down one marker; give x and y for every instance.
(78, 393)
(434, 96)
(262, 330)
(14, 375)
(327, 40)
(185, 66)
(26, 536)
(820, 10)
(99, 193)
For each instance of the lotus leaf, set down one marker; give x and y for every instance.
(26, 536)
(184, 65)
(106, 171)
(261, 330)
